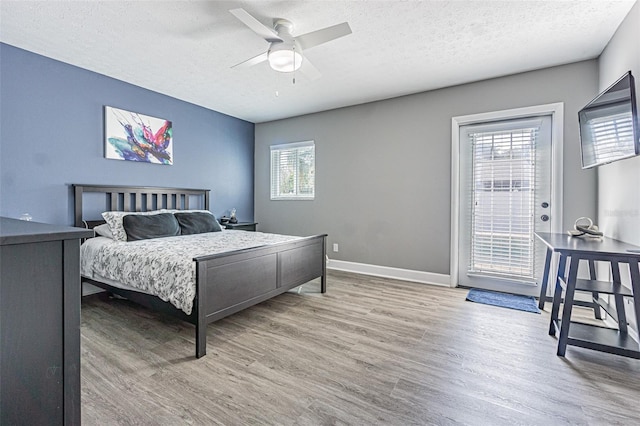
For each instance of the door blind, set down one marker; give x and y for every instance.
(503, 190)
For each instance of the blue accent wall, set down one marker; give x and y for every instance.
(51, 135)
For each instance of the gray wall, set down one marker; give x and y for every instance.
(619, 182)
(383, 169)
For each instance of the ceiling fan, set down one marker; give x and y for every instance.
(285, 50)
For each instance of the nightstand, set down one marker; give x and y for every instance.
(242, 226)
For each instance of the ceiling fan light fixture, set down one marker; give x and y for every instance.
(285, 60)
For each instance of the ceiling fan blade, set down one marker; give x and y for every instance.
(309, 70)
(314, 38)
(262, 30)
(252, 61)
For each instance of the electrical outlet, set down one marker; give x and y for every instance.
(335, 247)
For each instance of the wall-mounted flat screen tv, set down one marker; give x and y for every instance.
(609, 125)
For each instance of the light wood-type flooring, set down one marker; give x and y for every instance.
(369, 351)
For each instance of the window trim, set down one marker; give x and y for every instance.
(290, 146)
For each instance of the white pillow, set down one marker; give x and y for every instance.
(103, 230)
(114, 220)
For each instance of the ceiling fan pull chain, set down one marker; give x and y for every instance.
(294, 64)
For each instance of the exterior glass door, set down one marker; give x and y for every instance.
(505, 198)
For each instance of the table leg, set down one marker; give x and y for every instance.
(635, 286)
(619, 299)
(545, 279)
(557, 295)
(594, 295)
(568, 305)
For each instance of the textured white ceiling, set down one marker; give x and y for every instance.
(185, 48)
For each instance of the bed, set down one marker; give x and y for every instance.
(225, 281)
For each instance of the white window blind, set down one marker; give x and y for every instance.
(503, 195)
(293, 169)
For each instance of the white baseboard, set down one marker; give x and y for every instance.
(389, 272)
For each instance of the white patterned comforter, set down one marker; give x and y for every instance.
(164, 267)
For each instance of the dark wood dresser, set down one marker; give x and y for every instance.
(39, 323)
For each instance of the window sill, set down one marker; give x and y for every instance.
(293, 199)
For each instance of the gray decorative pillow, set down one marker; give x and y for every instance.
(197, 222)
(143, 227)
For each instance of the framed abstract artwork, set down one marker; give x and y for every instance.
(135, 137)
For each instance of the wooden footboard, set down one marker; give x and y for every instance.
(229, 282)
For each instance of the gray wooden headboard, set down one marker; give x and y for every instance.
(135, 199)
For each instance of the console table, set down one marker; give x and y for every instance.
(574, 249)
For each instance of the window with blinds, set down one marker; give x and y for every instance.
(293, 168)
(503, 196)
